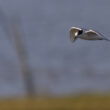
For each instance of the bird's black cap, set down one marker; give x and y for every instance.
(80, 32)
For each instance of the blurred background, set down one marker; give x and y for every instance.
(37, 57)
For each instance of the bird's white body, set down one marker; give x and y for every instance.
(85, 34)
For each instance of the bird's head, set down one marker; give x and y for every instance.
(80, 32)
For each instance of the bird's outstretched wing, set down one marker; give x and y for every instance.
(73, 32)
(93, 34)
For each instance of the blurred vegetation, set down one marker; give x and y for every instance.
(82, 102)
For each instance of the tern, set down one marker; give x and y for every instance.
(85, 34)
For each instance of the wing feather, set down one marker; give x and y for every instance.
(72, 32)
(92, 33)
(96, 35)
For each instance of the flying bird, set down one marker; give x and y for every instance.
(85, 34)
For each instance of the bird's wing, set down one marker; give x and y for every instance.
(98, 35)
(92, 33)
(73, 31)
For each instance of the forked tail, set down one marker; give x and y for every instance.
(107, 39)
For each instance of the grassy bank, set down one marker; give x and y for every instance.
(83, 102)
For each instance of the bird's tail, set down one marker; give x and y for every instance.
(107, 39)
(104, 38)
